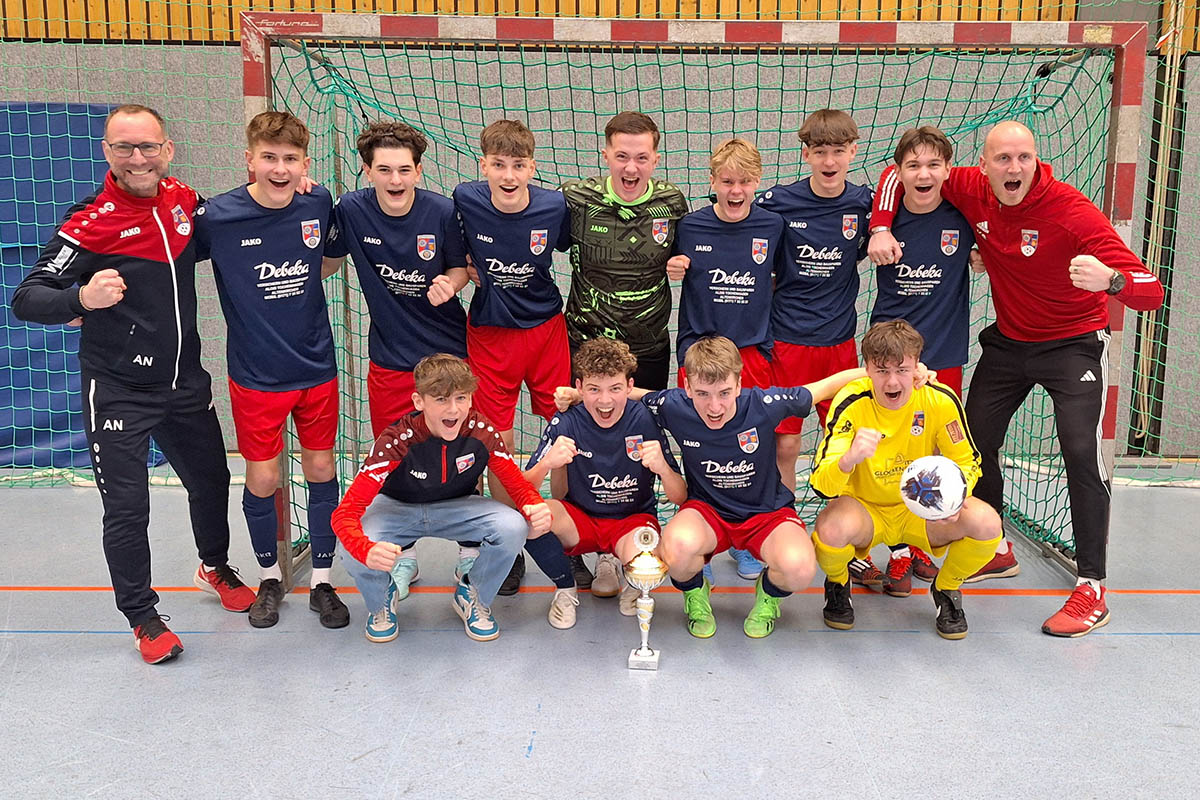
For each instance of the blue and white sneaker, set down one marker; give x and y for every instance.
(382, 625)
(708, 575)
(476, 617)
(404, 572)
(748, 567)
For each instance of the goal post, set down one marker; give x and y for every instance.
(1078, 85)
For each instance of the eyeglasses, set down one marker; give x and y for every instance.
(125, 149)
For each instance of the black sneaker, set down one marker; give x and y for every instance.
(838, 612)
(951, 621)
(265, 611)
(324, 600)
(512, 584)
(583, 576)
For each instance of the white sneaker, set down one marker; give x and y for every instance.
(607, 581)
(562, 608)
(627, 602)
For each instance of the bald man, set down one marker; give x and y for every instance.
(1054, 260)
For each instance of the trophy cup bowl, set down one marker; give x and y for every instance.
(645, 572)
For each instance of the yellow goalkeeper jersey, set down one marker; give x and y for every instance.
(931, 422)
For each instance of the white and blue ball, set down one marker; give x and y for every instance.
(933, 487)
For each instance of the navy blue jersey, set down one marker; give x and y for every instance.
(827, 237)
(606, 478)
(267, 264)
(727, 287)
(929, 286)
(397, 259)
(513, 254)
(732, 469)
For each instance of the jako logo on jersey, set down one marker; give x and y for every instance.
(1029, 241)
(849, 226)
(310, 230)
(918, 423)
(251, 242)
(660, 228)
(426, 246)
(690, 443)
(464, 463)
(134, 231)
(758, 250)
(418, 474)
(537, 241)
(982, 227)
(748, 440)
(633, 447)
(483, 237)
(372, 240)
(846, 426)
(599, 228)
(704, 248)
(949, 242)
(182, 225)
(797, 224)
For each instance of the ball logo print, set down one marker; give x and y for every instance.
(933, 487)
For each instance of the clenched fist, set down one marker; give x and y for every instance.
(104, 290)
(539, 517)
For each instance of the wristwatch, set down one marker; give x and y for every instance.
(1116, 283)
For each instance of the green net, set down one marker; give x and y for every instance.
(699, 96)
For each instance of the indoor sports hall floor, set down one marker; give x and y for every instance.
(887, 710)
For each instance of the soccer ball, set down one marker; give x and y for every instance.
(933, 487)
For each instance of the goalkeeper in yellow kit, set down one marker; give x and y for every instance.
(878, 425)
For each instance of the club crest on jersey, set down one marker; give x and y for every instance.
(849, 226)
(182, 226)
(310, 231)
(660, 228)
(1029, 241)
(758, 250)
(537, 241)
(426, 246)
(918, 423)
(463, 463)
(949, 242)
(748, 440)
(633, 447)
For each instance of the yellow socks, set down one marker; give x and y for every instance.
(963, 559)
(834, 560)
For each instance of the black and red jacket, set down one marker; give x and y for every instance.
(149, 338)
(409, 464)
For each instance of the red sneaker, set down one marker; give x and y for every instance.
(923, 567)
(1083, 612)
(225, 584)
(1001, 566)
(155, 642)
(899, 575)
(864, 572)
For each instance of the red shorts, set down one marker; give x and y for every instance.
(952, 377)
(600, 535)
(748, 535)
(503, 358)
(259, 418)
(756, 370)
(798, 364)
(389, 396)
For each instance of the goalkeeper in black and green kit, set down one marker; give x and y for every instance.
(622, 229)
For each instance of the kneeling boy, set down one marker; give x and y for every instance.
(602, 459)
(419, 480)
(877, 425)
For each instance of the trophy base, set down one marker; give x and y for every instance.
(643, 660)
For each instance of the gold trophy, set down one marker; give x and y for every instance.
(645, 572)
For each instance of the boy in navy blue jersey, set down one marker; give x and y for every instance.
(813, 313)
(515, 332)
(408, 251)
(735, 498)
(727, 256)
(419, 480)
(266, 243)
(602, 458)
(928, 288)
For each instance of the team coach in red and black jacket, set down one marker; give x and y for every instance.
(123, 263)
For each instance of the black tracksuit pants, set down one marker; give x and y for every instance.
(1074, 372)
(119, 421)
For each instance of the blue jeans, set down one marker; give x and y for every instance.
(500, 530)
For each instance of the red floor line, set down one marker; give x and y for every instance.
(970, 590)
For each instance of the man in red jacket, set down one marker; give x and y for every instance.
(1054, 260)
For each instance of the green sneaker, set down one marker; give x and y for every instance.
(761, 619)
(701, 622)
